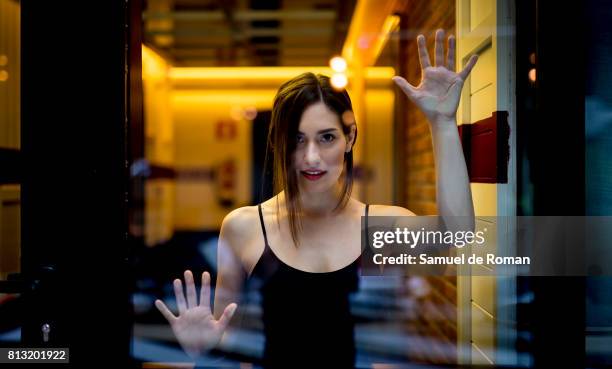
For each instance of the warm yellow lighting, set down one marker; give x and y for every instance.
(369, 32)
(339, 80)
(154, 66)
(261, 77)
(3, 60)
(366, 34)
(262, 73)
(243, 73)
(238, 77)
(224, 78)
(390, 26)
(250, 113)
(380, 73)
(236, 113)
(3, 75)
(532, 74)
(338, 64)
(163, 40)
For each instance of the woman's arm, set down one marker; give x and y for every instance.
(453, 193)
(438, 97)
(233, 237)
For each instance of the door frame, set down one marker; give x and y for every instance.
(504, 43)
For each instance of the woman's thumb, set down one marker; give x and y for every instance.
(228, 313)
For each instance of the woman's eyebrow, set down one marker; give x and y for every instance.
(323, 130)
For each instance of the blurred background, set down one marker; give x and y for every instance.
(201, 76)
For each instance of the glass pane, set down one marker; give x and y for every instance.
(211, 74)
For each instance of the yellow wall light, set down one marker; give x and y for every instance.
(339, 80)
(338, 64)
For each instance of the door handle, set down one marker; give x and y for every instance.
(46, 328)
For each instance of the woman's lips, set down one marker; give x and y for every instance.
(313, 177)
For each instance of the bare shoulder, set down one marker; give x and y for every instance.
(389, 210)
(239, 226)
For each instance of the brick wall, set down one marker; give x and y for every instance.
(435, 317)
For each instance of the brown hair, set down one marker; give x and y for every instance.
(291, 100)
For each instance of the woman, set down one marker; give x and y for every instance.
(303, 244)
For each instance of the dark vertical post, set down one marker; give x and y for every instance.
(559, 183)
(75, 111)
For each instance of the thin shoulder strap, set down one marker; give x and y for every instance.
(263, 227)
(366, 220)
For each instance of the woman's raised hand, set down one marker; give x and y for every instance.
(195, 328)
(439, 92)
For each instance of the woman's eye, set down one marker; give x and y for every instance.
(328, 138)
(300, 139)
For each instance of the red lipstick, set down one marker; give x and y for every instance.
(313, 175)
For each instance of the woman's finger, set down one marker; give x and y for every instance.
(192, 300)
(228, 313)
(205, 291)
(450, 55)
(423, 54)
(165, 311)
(468, 68)
(180, 297)
(439, 47)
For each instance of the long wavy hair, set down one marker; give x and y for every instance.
(291, 100)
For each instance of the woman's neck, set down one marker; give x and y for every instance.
(319, 205)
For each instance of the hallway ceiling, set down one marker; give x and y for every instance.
(247, 32)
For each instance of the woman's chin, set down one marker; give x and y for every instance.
(314, 187)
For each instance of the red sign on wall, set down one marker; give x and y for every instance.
(486, 148)
(226, 129)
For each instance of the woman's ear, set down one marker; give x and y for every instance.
(350, 139)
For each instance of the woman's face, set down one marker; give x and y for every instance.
(320, 148)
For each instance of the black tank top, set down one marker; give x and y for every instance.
(306, 315)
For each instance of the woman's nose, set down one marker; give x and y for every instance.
(312, 156)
